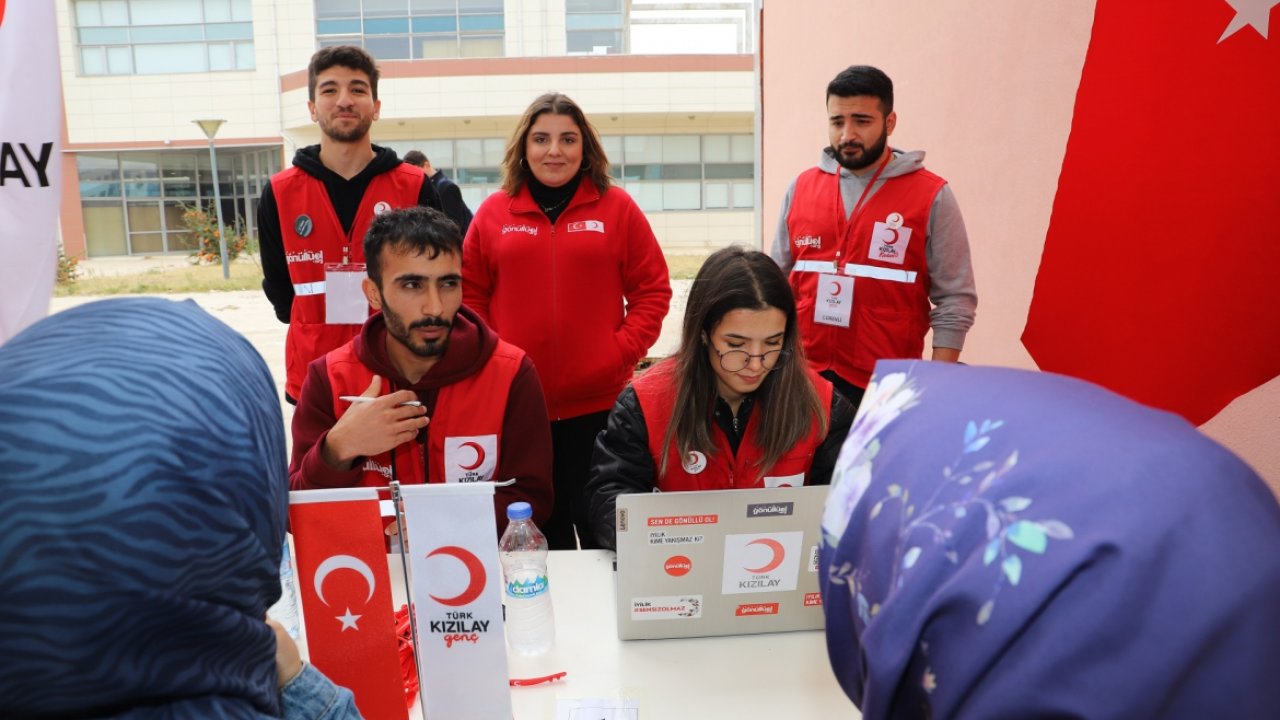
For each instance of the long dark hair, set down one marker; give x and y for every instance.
(595, 164)
(733, 279)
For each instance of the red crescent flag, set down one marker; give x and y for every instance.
(1158, 278)
(455, 593)
(346, 596)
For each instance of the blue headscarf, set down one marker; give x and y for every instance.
(1009, 544)
(143, 501)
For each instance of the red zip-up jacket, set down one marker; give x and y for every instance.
(584, 297)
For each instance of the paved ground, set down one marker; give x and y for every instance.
(249, 313)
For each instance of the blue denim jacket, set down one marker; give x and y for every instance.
(312, 696)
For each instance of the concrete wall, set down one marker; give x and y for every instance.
(987, 88)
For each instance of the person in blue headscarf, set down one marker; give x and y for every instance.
(1010, 544)
(143, 501)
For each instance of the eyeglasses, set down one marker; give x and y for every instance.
(735, 360)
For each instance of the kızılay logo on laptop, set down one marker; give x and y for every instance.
(1, 12)
(761, 562)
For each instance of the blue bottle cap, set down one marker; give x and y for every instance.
(519, 511)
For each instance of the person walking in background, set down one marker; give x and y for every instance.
(564, 264)
(735, 407)
(871, 239)
(144, 503)
(449, 192)
(313, 215)
(478, 414)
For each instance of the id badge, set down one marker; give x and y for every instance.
(889, 240)
(834, 304)
(344, 299)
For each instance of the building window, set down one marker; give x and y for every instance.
(133, 201)
(661, 172)
(413, 29)
(150, 37)
(595, 27)
(661, 27)
(685, 172)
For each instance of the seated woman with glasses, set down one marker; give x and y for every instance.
(736, 407)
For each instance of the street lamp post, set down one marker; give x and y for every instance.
(210, 128)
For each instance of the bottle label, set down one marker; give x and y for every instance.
(528, 587)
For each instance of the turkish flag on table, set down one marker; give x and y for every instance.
(1159, 273)
(346, 596)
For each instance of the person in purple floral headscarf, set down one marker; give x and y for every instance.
(1010, 544)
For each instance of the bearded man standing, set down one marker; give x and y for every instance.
(312, 216)
(874, 244)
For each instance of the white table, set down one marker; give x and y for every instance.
(778, 676)
(774, 676)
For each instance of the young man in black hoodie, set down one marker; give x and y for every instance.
(314, 214)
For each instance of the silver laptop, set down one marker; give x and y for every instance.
(718, 562)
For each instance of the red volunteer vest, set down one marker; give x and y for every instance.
(722, 470)
(312, 236)
(891, 283)
(465, 431)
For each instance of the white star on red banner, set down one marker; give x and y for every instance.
(348, 620)
(1255, 13)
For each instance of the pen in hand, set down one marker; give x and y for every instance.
(364, 399)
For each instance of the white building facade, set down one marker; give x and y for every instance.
(677, 121)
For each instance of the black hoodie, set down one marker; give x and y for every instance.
(345, 196)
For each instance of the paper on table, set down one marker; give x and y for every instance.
(597, 709)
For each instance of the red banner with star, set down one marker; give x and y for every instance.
(1158, 269)
(345, 588)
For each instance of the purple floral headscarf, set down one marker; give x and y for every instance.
(1010, 544)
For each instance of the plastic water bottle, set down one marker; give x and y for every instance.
(531, 625)
(285, 611)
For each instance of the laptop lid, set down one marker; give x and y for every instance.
(718, 562)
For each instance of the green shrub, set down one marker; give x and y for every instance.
(68, 267)
(204, 227)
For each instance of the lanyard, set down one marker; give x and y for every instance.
(845, 224)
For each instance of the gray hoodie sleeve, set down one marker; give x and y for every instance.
(781, 252)
(953, 292)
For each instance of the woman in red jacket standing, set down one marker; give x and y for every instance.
(564, 265)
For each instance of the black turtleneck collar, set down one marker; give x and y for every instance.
(553, 200)
(734, 426)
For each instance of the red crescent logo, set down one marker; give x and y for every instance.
(474, 567)
(894, 241)
(1, 12)
(479, 455)
(835, 288)
(778, 554)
